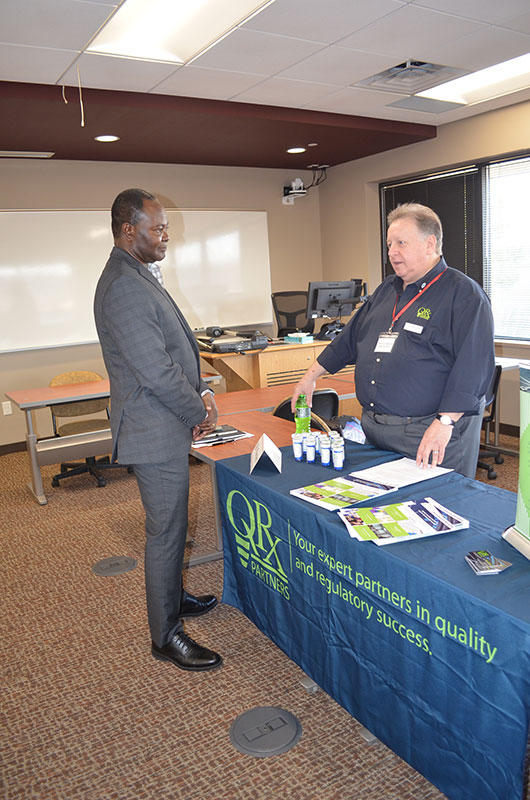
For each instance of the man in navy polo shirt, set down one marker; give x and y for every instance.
(423, 349)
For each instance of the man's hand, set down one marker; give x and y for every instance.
(431, 451)
(209, 423)
(306, 385)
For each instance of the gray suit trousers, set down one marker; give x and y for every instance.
(164, 490)
(404, 434)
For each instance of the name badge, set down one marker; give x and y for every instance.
(386, 342)
(409, 326)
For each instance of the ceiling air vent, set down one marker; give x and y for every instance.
(410, 77)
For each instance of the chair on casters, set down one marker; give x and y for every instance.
(82, 408)
(489, 416)
(325, 406)
(290, 309)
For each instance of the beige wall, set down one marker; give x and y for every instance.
(294, 237)
(349, 203)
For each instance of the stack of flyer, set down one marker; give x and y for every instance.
(367, 484)
(482, 562)
(401, 522)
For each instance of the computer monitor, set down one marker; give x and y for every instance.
(333, 299)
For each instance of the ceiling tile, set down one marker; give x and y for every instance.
(491, 11)
(216, 84)
(482, 49)
(520, 23)
(372, 104)
(125, 74)
(410, 32)
(338, 65)
(285, 92)
(255, 52)
(63, 23)
(354, 101)
(33, 64)
(318, 21)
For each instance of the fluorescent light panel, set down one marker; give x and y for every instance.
(171, 31)
(24, 154)
(486, 84)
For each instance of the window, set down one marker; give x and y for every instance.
(485, 218)
(506, 247)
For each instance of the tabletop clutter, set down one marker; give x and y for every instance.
(329, 448)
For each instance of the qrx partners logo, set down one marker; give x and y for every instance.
(258, 547)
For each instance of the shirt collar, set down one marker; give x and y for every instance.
(419, 284)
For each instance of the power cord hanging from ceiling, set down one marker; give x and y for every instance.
(81, 106)
(319, 174)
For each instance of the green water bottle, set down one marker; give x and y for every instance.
(302, 415)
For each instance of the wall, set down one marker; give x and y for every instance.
(294, 237)
(349, 204)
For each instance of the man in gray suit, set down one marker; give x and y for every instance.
(159, 404)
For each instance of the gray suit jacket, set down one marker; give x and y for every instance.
(152, 360)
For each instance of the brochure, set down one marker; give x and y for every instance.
(482, 562)
(401, 472)
(341, 492)
(400, 522)
(366, 484)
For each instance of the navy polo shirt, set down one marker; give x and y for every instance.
(443, 357)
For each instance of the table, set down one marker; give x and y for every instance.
(267, 398)
(97, 443)
(431, 658)
(56, 449)
(256, 423)
(276, 364)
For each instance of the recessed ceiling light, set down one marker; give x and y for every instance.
(24, 154)
(107, 137)
(313, 144)
(485, 84)
(296, 150)
(171, 31)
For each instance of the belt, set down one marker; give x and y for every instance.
(392, 419)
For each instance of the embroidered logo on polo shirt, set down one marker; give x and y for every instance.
(424, 313)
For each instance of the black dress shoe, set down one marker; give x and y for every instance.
(192, 606)
(183, 652)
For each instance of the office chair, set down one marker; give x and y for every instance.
(325, 406)
(290, 309)
(488, 419)
(82, 408)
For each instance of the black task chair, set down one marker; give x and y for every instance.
(325, 406)
(81, 409)
(290, 309)
(488, 451)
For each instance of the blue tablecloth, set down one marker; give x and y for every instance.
(430, 657)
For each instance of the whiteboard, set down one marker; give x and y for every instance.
(216, 268)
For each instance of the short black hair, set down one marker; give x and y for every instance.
(127, 207)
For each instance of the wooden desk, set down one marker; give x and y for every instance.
(276, 364)
(255, 422)
(267, 398)
(57, 449)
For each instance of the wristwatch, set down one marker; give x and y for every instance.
(445, 419)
